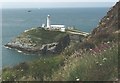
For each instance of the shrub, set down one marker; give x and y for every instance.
(87, 45)
(103, 37)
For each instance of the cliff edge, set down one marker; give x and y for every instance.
(40, 41)
(108, 28)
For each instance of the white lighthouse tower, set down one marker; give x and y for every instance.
(48, 21)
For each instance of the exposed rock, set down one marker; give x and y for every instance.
(55, 47)
(108, 25)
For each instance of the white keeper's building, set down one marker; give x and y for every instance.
(53, 27)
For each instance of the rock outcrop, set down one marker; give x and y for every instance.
(108, 28)
(29, 42)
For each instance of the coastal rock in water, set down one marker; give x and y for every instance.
(40, 41)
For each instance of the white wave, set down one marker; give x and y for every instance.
(7, 47)
(26, 30)
(19, 51)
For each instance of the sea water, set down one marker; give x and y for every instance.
(15, 21)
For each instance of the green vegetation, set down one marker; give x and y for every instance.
(69, 65)
(36, 70)
(40, 36)
(104, 37)
(91, 67)
(76, 62)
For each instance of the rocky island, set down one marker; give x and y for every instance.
(40, 41)
(45, 39)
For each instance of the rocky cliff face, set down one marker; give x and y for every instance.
(108, 28)
(56, 47)
(40, 41)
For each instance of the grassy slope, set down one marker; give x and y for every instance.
(40, 36)
(90, 67)
(36, 70)
(68, 66)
